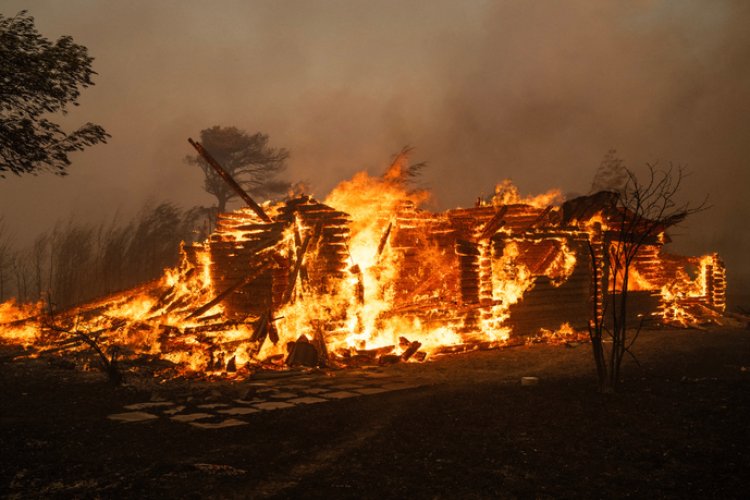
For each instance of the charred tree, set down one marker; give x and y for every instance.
(637, 214)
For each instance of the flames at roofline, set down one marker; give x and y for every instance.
(367, 276)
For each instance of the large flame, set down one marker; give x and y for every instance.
(365, 277)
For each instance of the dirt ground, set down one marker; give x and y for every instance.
(677, 429)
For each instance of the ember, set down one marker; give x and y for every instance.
(368, 277)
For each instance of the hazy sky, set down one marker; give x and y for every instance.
(537, 91)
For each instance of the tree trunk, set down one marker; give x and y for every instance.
(221, 201)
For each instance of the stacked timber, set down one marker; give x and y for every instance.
(468, 261)
(522, 218)
(327, 255)
(552, 302)
(598, 284)
(715, 284)
(485, 278)
(465, 221)
(473, 228)
(240, 238)
(643, 305)
(481, 233)
(191, 253)
(649, 266)
(243, 243)
(426, 281)
(711, 279)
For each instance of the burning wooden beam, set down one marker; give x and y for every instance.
(295, 270)
(244, 281)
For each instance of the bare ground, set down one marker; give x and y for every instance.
(677, 429)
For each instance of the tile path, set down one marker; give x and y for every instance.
(267, 395)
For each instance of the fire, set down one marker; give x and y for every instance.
(14, 322)
(365, 277)
(686, 299)
(506, 193)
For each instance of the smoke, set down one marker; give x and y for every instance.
(534, 91)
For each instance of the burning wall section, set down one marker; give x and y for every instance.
(367, 276)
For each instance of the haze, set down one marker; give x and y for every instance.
(534, 91)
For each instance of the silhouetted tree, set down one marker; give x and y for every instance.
(247, 158)
(401, 169)
(37, 78)
(638, 213)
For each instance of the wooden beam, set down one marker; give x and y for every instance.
(244, 281)
(295, 270)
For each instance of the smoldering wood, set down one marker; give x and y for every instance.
(302, 352)
(492, 226)
(389, 359)
(261, 329)
(384, 239)
(411, 350)
(232, 364)
(263, 266)
(295, 270)
(92, 339)
(466, 246)
(378, 351)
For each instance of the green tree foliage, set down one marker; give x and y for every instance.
(249, 159)
(39, 78)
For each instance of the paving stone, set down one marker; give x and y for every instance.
(212, 406)
(326, 382)
(220, 469)
(274, 405)
(190, 417)
(307, 400)
(149, 405)
(373, 383)
(399, 386)
(172, 411)
(371, 390)
(249, 401)
(292, 387)
(340, 395)
(238, 411)
(132, 417)
(315, 390)
(342, 387)
(282, 395)
(230, 422)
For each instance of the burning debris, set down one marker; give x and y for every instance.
(368, 277)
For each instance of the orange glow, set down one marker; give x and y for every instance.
(365, 276)
(506, 193)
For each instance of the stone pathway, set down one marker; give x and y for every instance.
(264, 396)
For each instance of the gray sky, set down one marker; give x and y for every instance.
(535, 91)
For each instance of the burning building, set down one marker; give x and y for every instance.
(368, 276)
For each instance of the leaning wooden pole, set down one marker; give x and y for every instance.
(229, 180)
